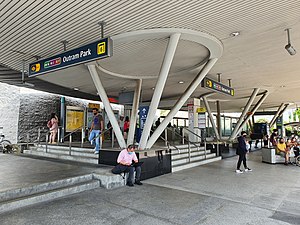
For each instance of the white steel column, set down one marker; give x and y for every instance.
(134, 111)
(164, 72)
(101, 91)
(246, 109)
(276, 115)
(255, 108)
(211, 117)
(192, 87)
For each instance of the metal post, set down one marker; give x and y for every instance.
(205, 148)
(109, 111)
(166, 136)
(255, 108)
(189, 146)
(161, 81)
(62, 118)
(102, 23)
(219, 125)
(27, 140)
(82, 136)
(183, 136)
(70, 144)
(218, 149)
(58, 136)
(39, 135)
(211, 117)
(134, 112)
(47, 139)
(246, 109)
(181, 101)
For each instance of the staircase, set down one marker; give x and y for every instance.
(181, 159)
(13, 199)
(85, 155)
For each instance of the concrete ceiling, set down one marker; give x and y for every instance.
(254, 59)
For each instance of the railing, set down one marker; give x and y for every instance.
(202, 138)
(188, 141)
(167, 143)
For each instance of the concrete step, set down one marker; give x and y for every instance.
(193, 159)
(62, 156)
(57, 147)
(194, 164)
(20, 192)
(48, 195)
(186, 146)
(184, 150)
(89, 153)
(193, 153)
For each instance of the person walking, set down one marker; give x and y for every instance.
(242, 151)
(96, 130)
(126, 127)
(53, 128)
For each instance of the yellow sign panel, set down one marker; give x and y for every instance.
(94, 105)
(201, 110)
(101, 48)
(36, 67)
(75, 120)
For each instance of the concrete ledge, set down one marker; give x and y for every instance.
(110, 181)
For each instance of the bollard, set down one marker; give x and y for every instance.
(47, 138)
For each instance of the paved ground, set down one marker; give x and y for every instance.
(18, 172)
(209, 194)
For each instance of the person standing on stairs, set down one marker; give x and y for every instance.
(96, 130)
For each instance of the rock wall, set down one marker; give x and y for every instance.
(9, 111)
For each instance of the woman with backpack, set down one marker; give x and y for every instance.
(53, 127)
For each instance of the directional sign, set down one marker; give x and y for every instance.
(216, 86)
(96, 50)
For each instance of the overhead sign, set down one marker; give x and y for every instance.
(96, 50)
(216, 86)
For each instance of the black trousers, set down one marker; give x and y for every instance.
(242, 157)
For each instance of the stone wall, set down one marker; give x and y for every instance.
(35, 110)
(9, 111)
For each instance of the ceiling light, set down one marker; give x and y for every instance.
(76, 89)
(282, 86)
(181, 82)
(289, 47)
(153, 88)
(234, 34)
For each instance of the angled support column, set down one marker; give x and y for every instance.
(180, 102)
(276, 115)
(114, 123)
(211, 118)
(255, 108)
(246, 109)
(161, 81)
(280, 113)
(134, 111)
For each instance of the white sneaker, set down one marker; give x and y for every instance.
(239, 171)
(248, 170)
(96, 152)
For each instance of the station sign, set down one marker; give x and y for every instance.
(93, 51)
(216, 86)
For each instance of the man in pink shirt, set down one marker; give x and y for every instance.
(124, 161)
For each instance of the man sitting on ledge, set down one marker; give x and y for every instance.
(125, 159)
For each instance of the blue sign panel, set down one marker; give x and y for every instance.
(96, 50)
(143, 116)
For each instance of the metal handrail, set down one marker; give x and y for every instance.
(73, 131)
(168, 143)
(193, 132)
(183, 137)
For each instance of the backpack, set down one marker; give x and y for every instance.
(49, 124)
